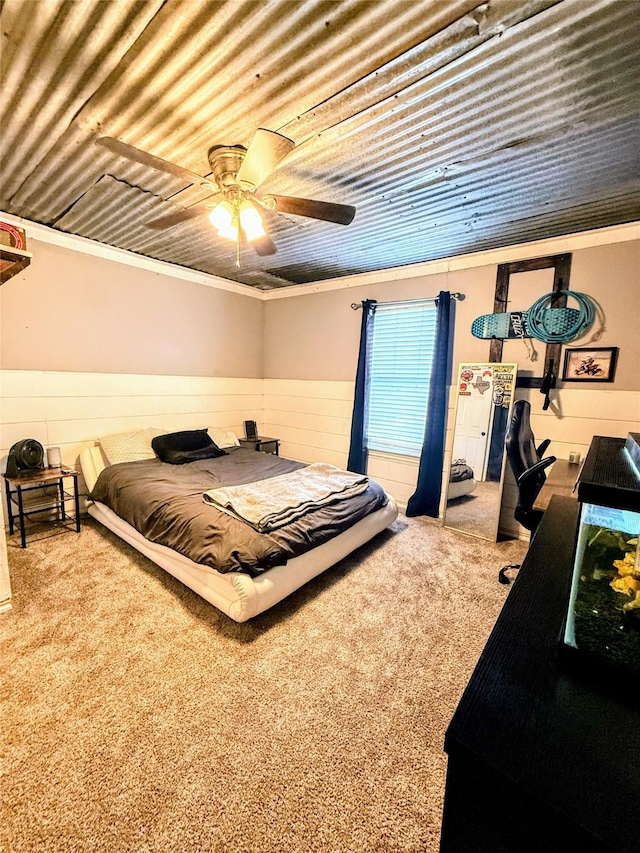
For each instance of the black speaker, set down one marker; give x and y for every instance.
(25, 457)
(251, 430)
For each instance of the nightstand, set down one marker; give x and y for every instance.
(50, 481)
(264, 444)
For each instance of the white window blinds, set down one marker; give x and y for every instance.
(402, 349)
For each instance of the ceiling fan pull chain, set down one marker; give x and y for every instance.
(236, 219)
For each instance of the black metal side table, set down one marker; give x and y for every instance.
(42, 480)
(263, 444)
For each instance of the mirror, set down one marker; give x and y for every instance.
(484, 401)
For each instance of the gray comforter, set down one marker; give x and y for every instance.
(165, 504)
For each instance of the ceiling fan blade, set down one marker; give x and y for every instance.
(122, 149)
(178, 216)
(342, 214)
(264, 246)
(265, 151)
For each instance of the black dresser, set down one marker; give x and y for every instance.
(542, 757)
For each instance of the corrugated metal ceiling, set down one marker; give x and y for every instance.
(452, 126)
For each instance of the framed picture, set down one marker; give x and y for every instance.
(590, 364)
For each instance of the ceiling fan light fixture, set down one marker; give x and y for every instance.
(237, 173)
(230, 233)
(221, 217)
(251, 222)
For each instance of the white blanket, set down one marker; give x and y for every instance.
(269, 504)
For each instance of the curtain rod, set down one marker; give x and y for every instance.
(459, 296)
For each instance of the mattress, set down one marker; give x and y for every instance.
(237, 594)
(462, 487)
(461, 479)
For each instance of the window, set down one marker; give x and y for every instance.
(401, 360)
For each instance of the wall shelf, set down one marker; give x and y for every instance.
(12, 261)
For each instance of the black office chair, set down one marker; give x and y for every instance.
(528, 466)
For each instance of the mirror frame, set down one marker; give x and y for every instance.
(502, 398)
(561, 265)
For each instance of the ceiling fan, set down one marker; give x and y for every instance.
(234, 206)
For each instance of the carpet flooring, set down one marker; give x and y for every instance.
(137, 717)
(477, 513)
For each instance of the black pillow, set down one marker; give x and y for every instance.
(176, 448)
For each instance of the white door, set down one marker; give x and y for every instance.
(473, 424)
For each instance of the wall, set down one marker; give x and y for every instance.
(309, 369)
(5, 580)
(71, 410)
(90, 346)
(71, 311)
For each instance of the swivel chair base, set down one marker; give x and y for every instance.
(502, 577)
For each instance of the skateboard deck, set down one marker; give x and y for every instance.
(515, 324)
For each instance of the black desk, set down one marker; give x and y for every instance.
(541, 759)
(561, 480)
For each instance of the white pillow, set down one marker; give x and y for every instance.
(223, 437)
(129, 446)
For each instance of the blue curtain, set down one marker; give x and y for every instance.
(426, 499)
(358, 451)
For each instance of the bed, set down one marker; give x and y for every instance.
(461, 479)
(237, 568)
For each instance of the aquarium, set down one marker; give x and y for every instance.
(603, 618)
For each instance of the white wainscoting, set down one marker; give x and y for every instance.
(72, 410)
(575, 416)
(5, 580)
(313, 421)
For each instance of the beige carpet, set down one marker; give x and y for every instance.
(136, 717)
(477, 513)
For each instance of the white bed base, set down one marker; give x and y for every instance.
(235, 593)
(462, 487)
